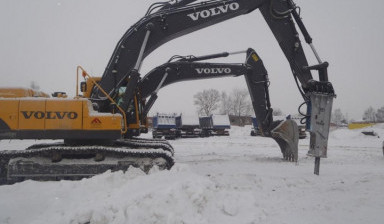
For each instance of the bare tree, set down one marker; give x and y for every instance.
(207, 101)
(380, 114)
(226, 103)
(369, 115)
(241, 104)
(337, 117)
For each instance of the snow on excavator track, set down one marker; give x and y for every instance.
(58, 161)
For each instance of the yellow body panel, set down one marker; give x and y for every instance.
(27, 114)
(359, 125)
(63, 114)
(9, 112)
(55, 114)
(31, 114)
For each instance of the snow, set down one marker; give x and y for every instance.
(226, 179)
(220, 120)
(190, 119)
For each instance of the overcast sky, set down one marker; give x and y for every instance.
(44, 41)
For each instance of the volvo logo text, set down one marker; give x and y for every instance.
(49, 115)
(213, 70)
(214, 11)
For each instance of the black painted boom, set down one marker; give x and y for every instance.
(173, 21)
(185, 70)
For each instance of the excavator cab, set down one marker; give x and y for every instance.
(135, 122)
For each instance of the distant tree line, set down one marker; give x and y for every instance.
(236, 103)
(337, 117)
(212, 101)
(373, 115)
(369, 115)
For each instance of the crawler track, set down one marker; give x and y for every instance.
(60, 161)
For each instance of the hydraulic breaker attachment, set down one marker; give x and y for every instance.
(286, 134)
(320, 108)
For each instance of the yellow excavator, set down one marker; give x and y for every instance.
(100, 126)
(93, 143)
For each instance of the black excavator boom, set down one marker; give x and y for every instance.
(192, 68)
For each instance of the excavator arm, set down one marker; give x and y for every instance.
(155, 29)
(191, 68)
(174, 20)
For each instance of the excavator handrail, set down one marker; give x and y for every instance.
(85, 74)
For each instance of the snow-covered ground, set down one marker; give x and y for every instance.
(235, 179)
